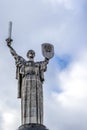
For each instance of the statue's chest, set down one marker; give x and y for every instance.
(30, 68)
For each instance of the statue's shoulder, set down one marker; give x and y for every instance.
(38, 63)
(20, 61)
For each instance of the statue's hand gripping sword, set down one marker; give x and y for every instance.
(9, 40)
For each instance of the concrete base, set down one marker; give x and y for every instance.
(32, 127)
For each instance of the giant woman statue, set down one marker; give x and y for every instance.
(30, 76)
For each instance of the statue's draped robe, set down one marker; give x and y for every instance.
(30, 77)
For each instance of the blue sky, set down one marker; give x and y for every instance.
(62, 23)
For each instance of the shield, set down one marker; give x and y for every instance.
(47, 50)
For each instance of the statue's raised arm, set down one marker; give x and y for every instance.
(48, 53)
(18, 59)
(20, 62)
(9, 41)
(13, 52)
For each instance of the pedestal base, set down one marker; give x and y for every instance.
(32, 127)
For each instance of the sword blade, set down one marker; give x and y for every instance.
(10, 29)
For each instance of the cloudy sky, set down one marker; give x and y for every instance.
(62, 23)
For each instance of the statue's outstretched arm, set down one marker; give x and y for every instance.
(46, 61)
(43, 64)
(18, 59)
(13, 52)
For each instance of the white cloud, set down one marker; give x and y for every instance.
(69, 108)
(9, 119)
(67, 4)
(74, 82)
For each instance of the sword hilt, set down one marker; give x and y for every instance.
(9, 40)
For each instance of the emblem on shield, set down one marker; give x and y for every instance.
(47, 50)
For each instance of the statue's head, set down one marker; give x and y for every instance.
(31, 54)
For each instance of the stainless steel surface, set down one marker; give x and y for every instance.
(30, 76)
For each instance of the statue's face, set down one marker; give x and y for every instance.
(30, 54)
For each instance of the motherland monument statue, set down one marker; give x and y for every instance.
(30, 76)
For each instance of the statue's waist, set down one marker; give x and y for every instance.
(30, 74)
